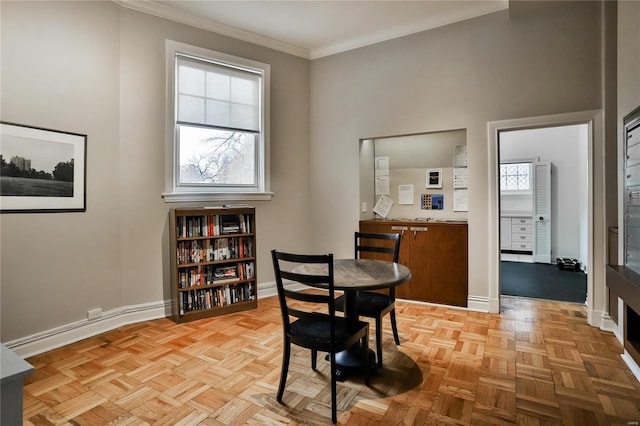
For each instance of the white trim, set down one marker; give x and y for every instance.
(176, 193)
(635, 369)
(474, 303)
(110, 320)
(608, 324)
(479, 8)
(79, 330)
(595, 120)
(475, 9)
(176, 15)
(478, 303)
(179, 197)
(269, 289)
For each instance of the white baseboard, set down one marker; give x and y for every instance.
(478, 303)
(635, 369)
(110, 320)
(73, 332)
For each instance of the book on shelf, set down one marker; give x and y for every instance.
(195, 300)
(225, 280)
(225, 274)
(214, 261)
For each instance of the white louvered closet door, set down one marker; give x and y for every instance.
(542, 211)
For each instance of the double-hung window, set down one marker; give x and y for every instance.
(217, 133)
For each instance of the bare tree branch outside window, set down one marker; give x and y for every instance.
(209, 156)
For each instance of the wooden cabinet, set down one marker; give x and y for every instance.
(212, 262)
(436, 253)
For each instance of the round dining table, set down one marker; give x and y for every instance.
(352, 276)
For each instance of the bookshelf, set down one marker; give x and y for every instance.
(213, 261)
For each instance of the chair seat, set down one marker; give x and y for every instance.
(369, 304)
(317, 331)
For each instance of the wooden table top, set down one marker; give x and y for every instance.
(361, 274)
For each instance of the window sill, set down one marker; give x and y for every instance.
(180, 197)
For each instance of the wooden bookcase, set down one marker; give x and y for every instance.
(213, 261)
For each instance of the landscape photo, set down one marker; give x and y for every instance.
(35, 168)
(41, 169)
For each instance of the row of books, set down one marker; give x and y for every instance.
(218, 249)
(212, 225)
(211, 274)
(195, 300)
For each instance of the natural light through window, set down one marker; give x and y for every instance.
(217, 133)
(515, 177)
(211, 156)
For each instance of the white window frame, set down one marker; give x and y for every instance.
(518, 191)
(179, 193)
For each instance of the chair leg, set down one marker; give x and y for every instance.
(394, 327)
(314, 359)
(379, 340)
(285, 368)
(334, 390)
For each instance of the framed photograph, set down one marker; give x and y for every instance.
(42, 170)
(434, 178)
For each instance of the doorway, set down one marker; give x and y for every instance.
(596, 289)
(543, 212)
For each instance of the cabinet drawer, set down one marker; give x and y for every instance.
(521, 238)
(521, 221)
(522, 229)
(518, 245)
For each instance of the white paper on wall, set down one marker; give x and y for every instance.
(460, 177)
(382, 185)
(460, 156)
(383, 206)
(382, 166)
(405, 194)
(460, 200)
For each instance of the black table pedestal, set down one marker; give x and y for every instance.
(350, 360)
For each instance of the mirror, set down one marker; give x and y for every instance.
(416, 174)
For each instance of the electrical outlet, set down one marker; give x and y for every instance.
(94, 313)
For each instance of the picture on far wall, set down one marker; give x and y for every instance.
(434, 178)
(42, 170)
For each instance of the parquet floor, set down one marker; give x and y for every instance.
(537, 363)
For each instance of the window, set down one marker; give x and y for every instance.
(515, 177)
(217, 127)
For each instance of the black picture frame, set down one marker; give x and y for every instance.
(42, 170)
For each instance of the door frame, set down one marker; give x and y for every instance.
(596, 296)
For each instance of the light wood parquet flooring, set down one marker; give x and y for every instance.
(536, 363)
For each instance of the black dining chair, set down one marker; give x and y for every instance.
(311, 329)
(372, 304)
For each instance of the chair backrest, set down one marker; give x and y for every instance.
(377, 243)
(319, 274)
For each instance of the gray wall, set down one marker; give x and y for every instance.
(535, 59)
(97, 68)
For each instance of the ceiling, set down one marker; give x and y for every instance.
(316, 28)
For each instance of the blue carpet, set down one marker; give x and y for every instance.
(542, 281)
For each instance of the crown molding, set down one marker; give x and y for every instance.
(162, 11)
(151, 7)
(478, 9)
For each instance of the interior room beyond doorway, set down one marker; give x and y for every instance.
(544, 214)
